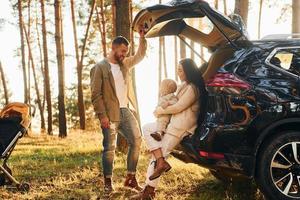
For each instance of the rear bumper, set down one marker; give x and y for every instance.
(237, 165)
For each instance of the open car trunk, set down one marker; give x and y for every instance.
(168, 19)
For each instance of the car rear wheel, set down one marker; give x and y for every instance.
(278, 169)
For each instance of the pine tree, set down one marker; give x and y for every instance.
(46, 70)
(61, 68)
(241, 8)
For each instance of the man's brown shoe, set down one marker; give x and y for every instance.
(108, 188)
(132, 182)
(161, 166)
(156, 136)
(148, 193)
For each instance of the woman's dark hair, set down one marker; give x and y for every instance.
(194, 76)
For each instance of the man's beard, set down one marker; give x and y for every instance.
(118, 59)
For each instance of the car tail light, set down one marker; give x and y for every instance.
(217, 156)
(227, 80)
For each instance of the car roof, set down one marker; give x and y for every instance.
(277, 42)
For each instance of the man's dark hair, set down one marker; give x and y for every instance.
(120, 40)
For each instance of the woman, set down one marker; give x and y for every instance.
(185, 116)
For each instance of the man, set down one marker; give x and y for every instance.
(111, 96)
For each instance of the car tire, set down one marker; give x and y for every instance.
(278, 167)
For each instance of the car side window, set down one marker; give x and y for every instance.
(287, 59)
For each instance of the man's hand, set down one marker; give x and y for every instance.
(142, 31)
(105, 123)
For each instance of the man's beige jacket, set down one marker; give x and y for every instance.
(104, 97)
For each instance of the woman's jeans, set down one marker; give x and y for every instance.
(167, 144)
(129, 128)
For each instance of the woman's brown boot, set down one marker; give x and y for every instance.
(148, 193)
(161, 166)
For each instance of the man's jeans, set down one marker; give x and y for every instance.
(129, 128)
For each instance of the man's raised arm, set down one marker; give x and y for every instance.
(130, 61)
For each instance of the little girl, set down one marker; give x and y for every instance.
(166, 98)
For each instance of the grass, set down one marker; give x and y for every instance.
(70, 169)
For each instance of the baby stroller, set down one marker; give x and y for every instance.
(14, 122)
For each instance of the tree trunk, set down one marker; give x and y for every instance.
(192, 43)
(28, 60)
(103, 21)
(132, 52)
(259, 18)
(160, 62)
(217, 4)
(176, 56)
(35, 81)
(164, 57)
(61, 68)
(121, 14)
(192, 52)
(114, 19)
(296, 16)
(75, 33)
(202, 54)
(182, 49)
(4, 84)
(46, 69)
(23, 50)
(40, 53)
(80, 103)
(161, 57)
(225, 7)
(201, 47)
(43, 126)
(241, 8)
(102, 27)
(122, 18)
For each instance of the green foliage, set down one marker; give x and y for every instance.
(2, 96)
(72, 107)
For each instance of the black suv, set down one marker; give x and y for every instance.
(252, 125)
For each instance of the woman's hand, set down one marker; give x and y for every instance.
(158, 111)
